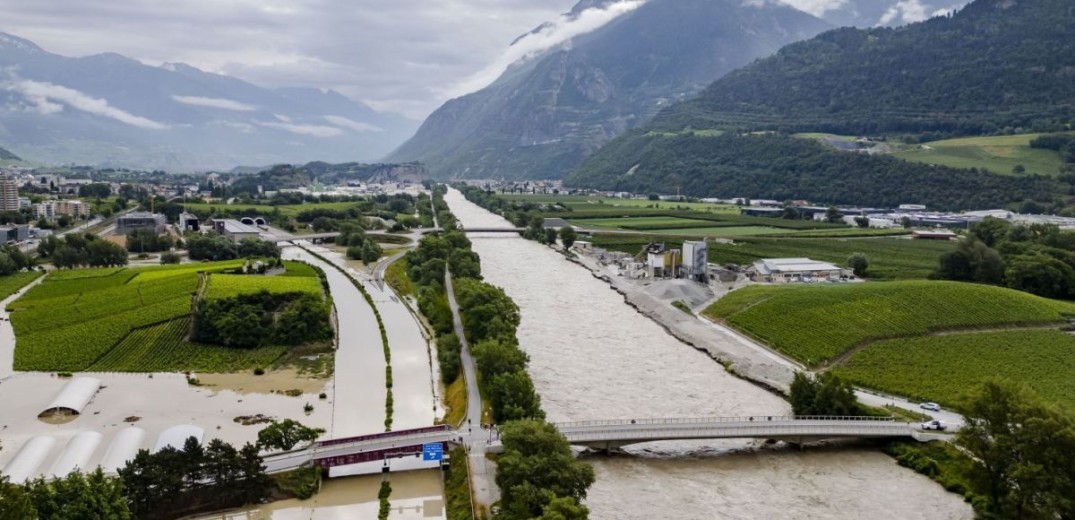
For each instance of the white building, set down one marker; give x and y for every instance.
(785, 270)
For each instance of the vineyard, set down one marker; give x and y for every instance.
(11, 283)
(230, 285)
(890, 258)
(85, 318)
(817, 323)
(163, 348)
(945, 368)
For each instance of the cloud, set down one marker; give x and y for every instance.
(344, 122)
(548, 36)
(300, 129)
(905, 11)
(815, 7)
(48, 97)
(225, 104)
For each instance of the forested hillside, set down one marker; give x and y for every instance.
(995, 65)
(8, 156)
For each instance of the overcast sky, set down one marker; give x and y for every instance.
(404, 56)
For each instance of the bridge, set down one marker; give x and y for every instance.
(384, 448)
(419, 231)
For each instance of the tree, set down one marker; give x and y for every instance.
(537, 466)
(284, 435)
(76, 496)
(564, 508)
(825, 394)
(15, 503)
(370, 252)
(550, 236)
(859, 263)
(512, 397)
(1022, 453)
(905, 222)
(170, 258)
(833, 215)
(568, 236)
(1018, 169)
(862, 222)
(972, 261)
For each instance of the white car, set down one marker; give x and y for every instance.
(934, 425)
(933, 407)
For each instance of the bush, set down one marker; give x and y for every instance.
(170, 258)
(259, 371)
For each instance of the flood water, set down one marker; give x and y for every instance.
(594, 357)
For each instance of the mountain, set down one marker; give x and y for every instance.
(111, 110)
(996, 66)
(892, 13)
(8, 156)
(545, 114)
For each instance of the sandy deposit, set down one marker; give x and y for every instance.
(159, 401)
(692, 293)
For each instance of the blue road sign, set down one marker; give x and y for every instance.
(433, 451)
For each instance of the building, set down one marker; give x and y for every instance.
(44, 210)
(72, 208)
(141, 220)
(785, 270)
(933, 234)
(695, 260)
(9, 194)
(14, 233)
(235, 230)
(188, 222)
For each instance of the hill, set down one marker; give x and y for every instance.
(997, 154)
(545, 114)
(819, 323)
(995, 64)
(113, 111)
(8, 156)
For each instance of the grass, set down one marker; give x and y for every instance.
(733, 231)
(12, 283)
(817, 323)
(396, 276)
(588, 203)
(890, 258)
(457, 487)
(455, 400)
(998, 154)
(230, 285)
(946, 368)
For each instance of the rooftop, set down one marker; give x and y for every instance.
(784, 265)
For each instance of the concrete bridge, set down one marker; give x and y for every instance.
(383, 449)
(420, 231)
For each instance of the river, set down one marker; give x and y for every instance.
(594, 357)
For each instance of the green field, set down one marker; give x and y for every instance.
(945, 368)
(890, 258)
(817, 323)
(998, 154)
(641, 222)
(74, 319)
(587, 203)
(730, 231)
(231, 285)
(11, 283)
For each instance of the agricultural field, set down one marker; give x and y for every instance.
(588, 203)
(163, 348)
(73, 319)
(815, 324)
(288, 210)
(11, 283)
(890, 258)
(946, 368)
(998, 154)
(231, 285)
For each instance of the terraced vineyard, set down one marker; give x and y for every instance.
(944, 368)
(817, 323)
(75, 319)
(163, 348)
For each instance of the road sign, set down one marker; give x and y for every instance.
(433, 451)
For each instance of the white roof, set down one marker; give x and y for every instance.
(29, 458)
(77, 455)
(124, 447)
(76, 394)
(176, 436)
(792, 265)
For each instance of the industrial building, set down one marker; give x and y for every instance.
(695, 261)
(18, 233)
(188, 222)
(141, 220)
(786, 270)
(235, 230)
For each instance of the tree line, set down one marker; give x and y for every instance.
(75, 250)
(262, 318)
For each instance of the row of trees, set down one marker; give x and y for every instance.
(76, 250)
(219, 247)
(1039, 258)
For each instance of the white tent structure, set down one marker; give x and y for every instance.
(124, 447)
(77, 455)
(74, 397)
(28, 460)
(176, 436)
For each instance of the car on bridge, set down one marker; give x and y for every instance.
(934, 425)
(933, 407)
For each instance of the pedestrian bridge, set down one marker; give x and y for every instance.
(598, 435)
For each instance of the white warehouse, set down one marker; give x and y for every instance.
(785, 270)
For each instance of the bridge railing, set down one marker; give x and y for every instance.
(441, 428)
(718, 420)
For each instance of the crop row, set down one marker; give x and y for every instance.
(816, 323)
(300, 269)
(163, 348)
(11, 283)
(947, 368)
(229, 285)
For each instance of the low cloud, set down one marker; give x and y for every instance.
(815, 7)
(48, 98)
(550, 35)
(314, 130)
(905, 11)
(344, 122)
(225, 104)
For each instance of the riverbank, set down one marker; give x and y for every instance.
(738, 355)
